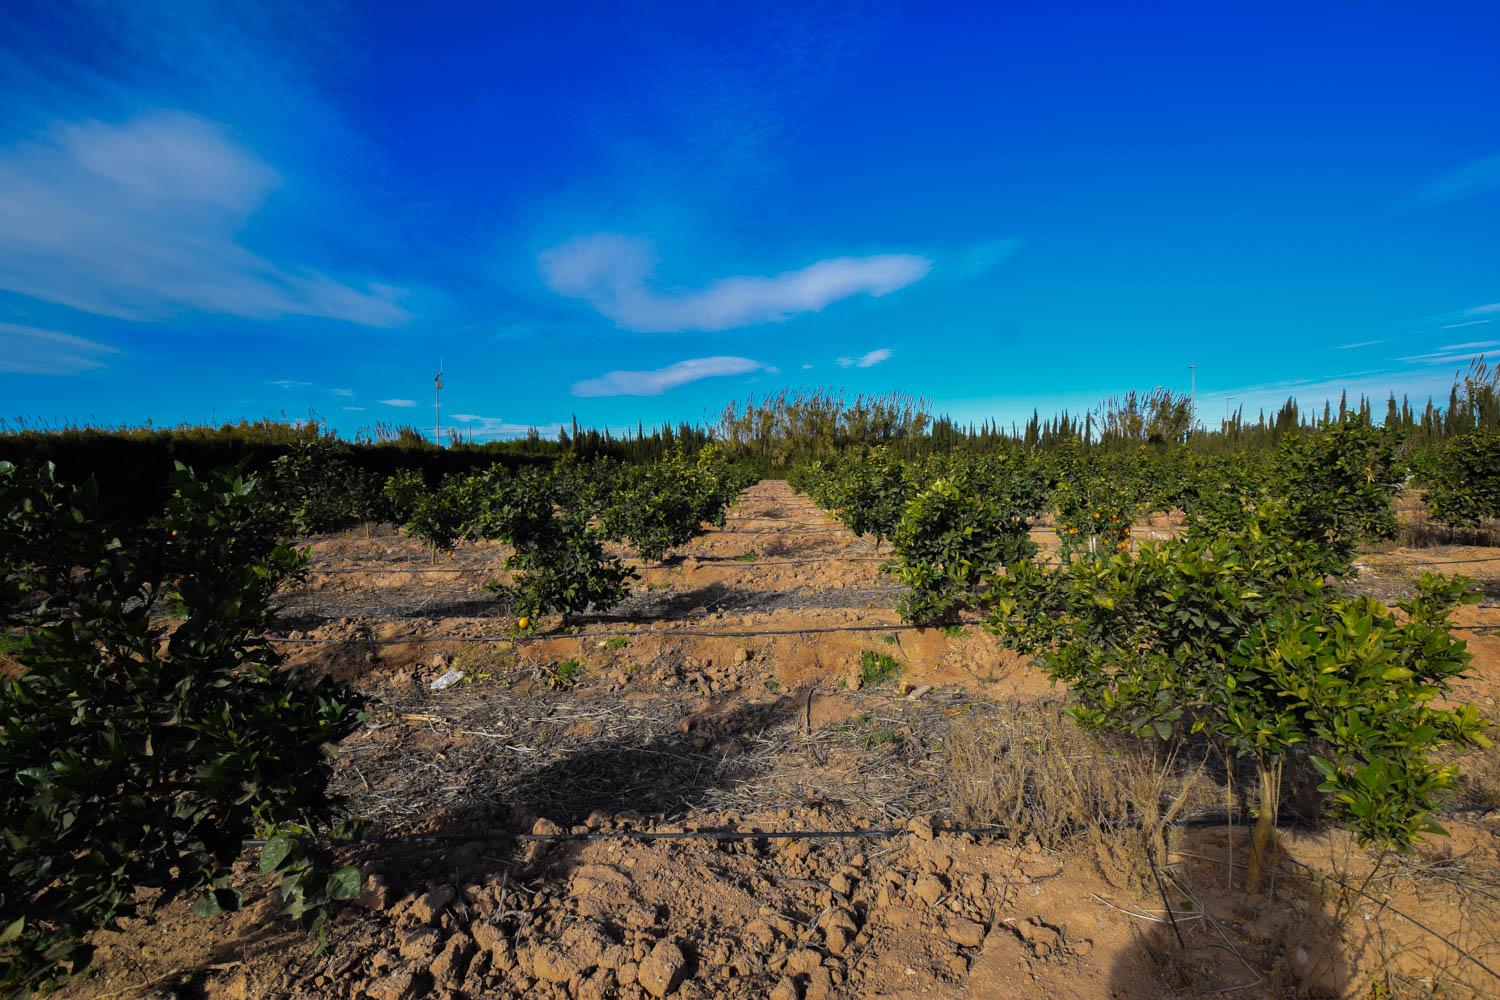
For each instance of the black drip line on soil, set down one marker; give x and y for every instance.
(865, 833)
(407, 640)
(726, 562)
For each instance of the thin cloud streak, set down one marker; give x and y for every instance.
(612, 273)
(399, 403)
(660, 380)
(140, 220)
(1468, 181)
(1359, 343)
(29, 350)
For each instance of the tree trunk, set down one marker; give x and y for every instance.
(1262, 839)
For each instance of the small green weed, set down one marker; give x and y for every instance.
(955, 631)
(564, 675)
(876, 669)
(619, 642)
(750, 556)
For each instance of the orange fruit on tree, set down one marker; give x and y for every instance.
(523, 622)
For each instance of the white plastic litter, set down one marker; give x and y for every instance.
(446, 681)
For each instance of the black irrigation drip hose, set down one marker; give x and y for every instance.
(727, 562)
(1439, 562)
(407, 640)
(867, 833)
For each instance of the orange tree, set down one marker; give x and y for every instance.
(867, 491)
(137, 756)
(557, 556)
(1236, 638)
(1461, 479)
(1339, 484)
(658, 506)
(954, 536)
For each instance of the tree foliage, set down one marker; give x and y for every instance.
(137, 755)
(1237, 638)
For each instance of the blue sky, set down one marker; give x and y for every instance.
(640, 212)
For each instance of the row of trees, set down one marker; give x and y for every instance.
(133, 755)
(1235, 634)
(152, 729)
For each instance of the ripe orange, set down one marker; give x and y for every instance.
(523, 623)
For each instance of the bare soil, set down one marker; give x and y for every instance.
(726, 696)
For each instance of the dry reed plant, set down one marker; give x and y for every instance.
(1030, 768)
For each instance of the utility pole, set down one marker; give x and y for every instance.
(1193, 391)
(1226, 408)
(437, 405)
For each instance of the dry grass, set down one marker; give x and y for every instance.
(1032, 769)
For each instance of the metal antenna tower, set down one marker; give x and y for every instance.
(437, 405)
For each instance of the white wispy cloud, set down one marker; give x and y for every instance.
(1493, 307)
(1453, 353)
(658, 381)
(613, 274)
(1471, 322)
(29, 350)
(1467, 181)
(402, 403)
(353, 409)
(867, 360)
(289, 383)
(343, 392)
(140, 220)
(1358, 343)
(498, 427)
(979, 258)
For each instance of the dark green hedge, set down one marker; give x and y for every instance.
(133, 468)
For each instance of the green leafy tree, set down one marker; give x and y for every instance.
(657, 507)
(320, 491)
(1461, 479)
(951, 539)
(868, 492)
(401, 493)
(137, 756)
(564, 570)
(450, 512)
(1237, 638)
(1340, 484)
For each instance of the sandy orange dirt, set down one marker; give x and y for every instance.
(726, 696)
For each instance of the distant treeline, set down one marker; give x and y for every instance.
(132, 465)
(779, 431)
(772, 433)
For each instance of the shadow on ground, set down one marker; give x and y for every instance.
(1221, 940)
(661, 776)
